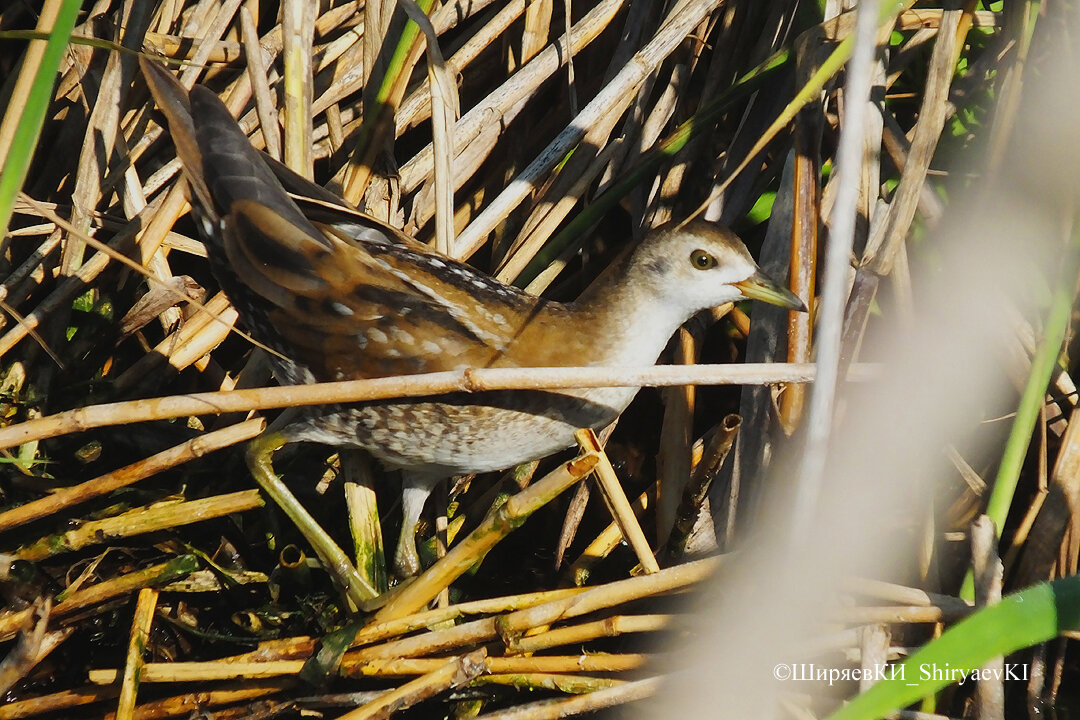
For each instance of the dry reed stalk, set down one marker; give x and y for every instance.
(140, 521)
(575, 512)
(298, 33)
(497, 525)
(572, 182)
(16, 286)
(596, 662)
(192, 341)
(257, 73)
(68, 497)
(363, 513)
(180, 705)
(186, 672)
(137, 645)
(105, 591)
(64, 293)
(1037, 549)
(892, 592)
(537, 27)
(684, 17)
(412, 385)
(357, 588)
(605, 596)
(382, 95)
(210, 30)
(331, 54)
(417, 106)
(432, 642)
(972, 478)
(445, 110)
(604, 543)
(209, 581)
(353, 79)
(988, 574)
(162, 220)
(564, 683)
(660, 202)
(513, 624)
(806, 210)
(554, 709)
(453, 673)
(377, 631)
(292, 648)
(31, 646)
(584, 632)
(97, 153)
(511, 93)
(673, 461)
(616, 501)
(217, 310)
(883, 245)
(569, 187)
(550, 215)
(911, 614)
(715, 451)
(182, 48)
(24, 83)
(56, 702)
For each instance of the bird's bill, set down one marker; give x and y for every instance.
(760, 286)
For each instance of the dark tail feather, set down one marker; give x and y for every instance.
(222, 168)
(172, 99)
(221, 165)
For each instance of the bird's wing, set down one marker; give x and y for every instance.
(367, 309)
(331, 288)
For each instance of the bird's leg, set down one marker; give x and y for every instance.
(260, 453)
(414, 493)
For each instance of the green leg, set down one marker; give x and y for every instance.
(260, 454)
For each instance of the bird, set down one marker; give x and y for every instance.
(338, 295)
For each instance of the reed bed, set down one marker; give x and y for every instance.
(143, 575)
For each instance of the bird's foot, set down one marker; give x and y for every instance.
(260, 462)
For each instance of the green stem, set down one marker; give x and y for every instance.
(1031, 402)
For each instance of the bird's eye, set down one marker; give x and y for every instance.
(702, 260)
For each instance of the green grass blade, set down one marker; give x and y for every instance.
(1031, 402)
(1026, 618)
(17, 163)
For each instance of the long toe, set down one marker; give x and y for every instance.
(415, 490)
(406, 559)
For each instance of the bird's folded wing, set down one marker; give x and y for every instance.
(347, 295)
(364, 310)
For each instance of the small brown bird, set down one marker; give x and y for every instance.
(343, 296)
